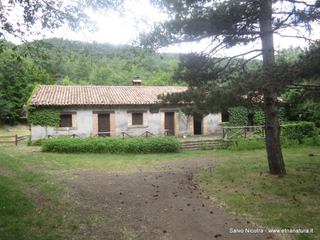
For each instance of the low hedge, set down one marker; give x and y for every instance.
(111, 145)
(298, 130)
(243, 144)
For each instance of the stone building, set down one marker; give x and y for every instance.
(116, 111)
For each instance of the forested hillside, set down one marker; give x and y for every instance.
(57, 61)
(92, 63)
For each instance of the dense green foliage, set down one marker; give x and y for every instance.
(303, 104)
(243, 116)
(298, 131)
(18, 75)
(44, 116)
(56, 61)
(112, 145)
(71, 62)
(238, 116)
(252, 144)
(258, 117)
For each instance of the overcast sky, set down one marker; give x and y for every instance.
(139, 15)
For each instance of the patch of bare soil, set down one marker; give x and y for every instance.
(161, 203)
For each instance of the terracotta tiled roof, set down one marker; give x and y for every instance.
(57, 95)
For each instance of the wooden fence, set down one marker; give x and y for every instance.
(13, 139)
(144, 134)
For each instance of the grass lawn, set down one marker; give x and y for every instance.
(241, 184)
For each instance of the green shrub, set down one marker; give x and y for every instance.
(238, 116)
(282, 115)
(245, 144)
(258, 117)
(287, 142)
(298, 130)
(37, 142)
(111, 145)
(312, 141)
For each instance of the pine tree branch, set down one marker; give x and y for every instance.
(303, 2)
(281, 23)
(230, 59)
(249, 59)
(295, 36)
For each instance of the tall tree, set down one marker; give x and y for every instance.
(18, 76)
(229, 23)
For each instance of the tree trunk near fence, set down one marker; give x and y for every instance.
(273, 145)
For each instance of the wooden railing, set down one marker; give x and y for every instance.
(70, 135)
(125, 134)
(13, 139)
(104, 134)
(144, 134)
(247, 132)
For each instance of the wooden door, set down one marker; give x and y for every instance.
(103, 124)
(197, 124)
(169, 123)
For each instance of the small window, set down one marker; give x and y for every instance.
(137, 118)
(66, 120)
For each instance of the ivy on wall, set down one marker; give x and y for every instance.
(258, 117)
(44, 116)
(238, 116)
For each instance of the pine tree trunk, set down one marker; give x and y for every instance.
(273, 145)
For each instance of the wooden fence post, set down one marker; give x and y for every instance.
(16, 140)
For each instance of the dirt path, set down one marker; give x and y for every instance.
(158, 203)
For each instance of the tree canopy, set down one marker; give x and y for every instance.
(230, 22)
(29, 17)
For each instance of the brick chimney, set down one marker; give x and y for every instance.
(136, 81)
